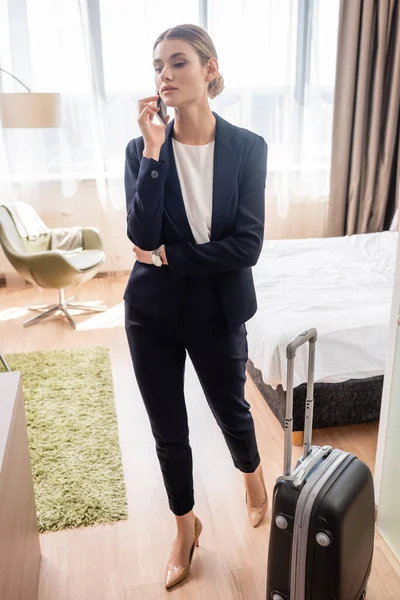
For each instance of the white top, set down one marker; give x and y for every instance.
(342, 286)
(195, 167)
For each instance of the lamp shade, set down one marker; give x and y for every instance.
(29, 110)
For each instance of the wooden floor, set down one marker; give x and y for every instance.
(127, 560)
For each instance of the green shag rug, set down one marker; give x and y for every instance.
(73, 437)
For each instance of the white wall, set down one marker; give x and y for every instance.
(380, 456)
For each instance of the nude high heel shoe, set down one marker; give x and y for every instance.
(176, 574)
(257, 513)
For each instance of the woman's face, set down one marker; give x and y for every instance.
(177, 65)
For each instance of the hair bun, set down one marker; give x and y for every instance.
(216, 86)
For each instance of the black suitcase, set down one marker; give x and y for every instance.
(323, 515)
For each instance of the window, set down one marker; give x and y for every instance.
(277, 57)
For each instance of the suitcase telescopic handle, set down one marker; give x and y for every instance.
(307, 336)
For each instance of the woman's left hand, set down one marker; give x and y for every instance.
(143, 256)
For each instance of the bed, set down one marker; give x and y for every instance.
(343, 287)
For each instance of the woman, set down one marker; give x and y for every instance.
(195, 214)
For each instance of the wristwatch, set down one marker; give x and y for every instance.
(156, 258)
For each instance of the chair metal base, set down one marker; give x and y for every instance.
(62, 307)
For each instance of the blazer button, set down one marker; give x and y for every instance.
(154, 174)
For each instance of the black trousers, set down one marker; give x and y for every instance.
(219, 358)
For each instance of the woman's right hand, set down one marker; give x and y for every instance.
(153, 135)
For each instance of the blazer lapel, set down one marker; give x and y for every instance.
(173, 199)
(227, 160)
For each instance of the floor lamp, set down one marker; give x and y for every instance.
(29, 110)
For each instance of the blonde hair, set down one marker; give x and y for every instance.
(204, 46)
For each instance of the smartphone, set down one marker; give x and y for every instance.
(162, 113)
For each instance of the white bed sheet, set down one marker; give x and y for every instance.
(343, 287)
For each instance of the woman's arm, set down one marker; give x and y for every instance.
(241, 249)
(144, 190)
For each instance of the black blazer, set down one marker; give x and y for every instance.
(156, 215)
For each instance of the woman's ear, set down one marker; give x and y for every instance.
(212, 69)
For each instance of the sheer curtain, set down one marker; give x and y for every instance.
(278, 61)
(278, 58)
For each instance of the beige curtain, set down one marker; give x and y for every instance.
(365, 145)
